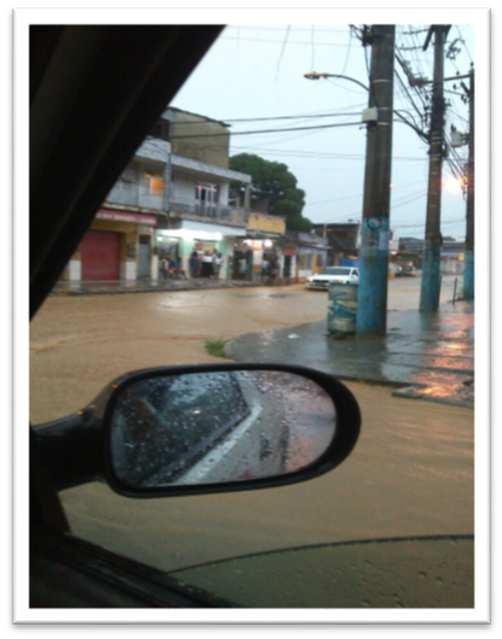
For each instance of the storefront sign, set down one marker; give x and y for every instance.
(266, 223)
(122, 216)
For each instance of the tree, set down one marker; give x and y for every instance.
(274, 183)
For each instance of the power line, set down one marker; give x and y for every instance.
(360, 194)
(302, 43)
(312, 65)
(292, 117)
(260, 131)
(320, 155)
(465, 45)
(300, 116)
(281, 54)
(408, 94)
(347, 56)
(281, 29)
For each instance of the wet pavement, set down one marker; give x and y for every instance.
(145, 286)
(411, 472)
(426, 356)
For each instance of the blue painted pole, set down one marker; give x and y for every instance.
(373, 276)
(468, 290)
(374, 250)
(431, 277)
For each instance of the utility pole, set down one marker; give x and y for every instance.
(469, 231)
(431, 263)
(374, 250)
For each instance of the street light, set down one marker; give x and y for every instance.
(315, 75)
(369, 114)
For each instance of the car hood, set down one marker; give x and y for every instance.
(329, 278)
(418, 572)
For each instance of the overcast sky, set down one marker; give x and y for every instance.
(254, 72)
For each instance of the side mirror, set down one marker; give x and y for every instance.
(204, 429)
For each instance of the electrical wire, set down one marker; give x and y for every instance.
(465, 44)
(260, 131)
(347, 55)
(298, 42)
(361, 194)
(316, 155)
(408, 95)
(281, 54)
(281, 29)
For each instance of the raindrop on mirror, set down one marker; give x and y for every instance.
(203, 428)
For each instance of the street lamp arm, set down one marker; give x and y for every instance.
(314, 75)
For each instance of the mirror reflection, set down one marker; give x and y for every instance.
(201, 428)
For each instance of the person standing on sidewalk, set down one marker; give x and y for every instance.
(217, 262)
(207, 265)
(163, 268)
(193, 264)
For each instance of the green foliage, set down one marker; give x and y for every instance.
(216, 347)
(275, 182)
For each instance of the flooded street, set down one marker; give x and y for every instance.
(411, 472)
(79, 344)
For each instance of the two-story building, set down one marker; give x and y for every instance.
(342, 239)
(120, 244)
(201, 216)
(172, 199)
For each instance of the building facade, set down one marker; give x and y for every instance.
(312, 254)
(259, 255)
(343, 241)
(172, 199)
(452, 257)
(120, 244)
(202, 218)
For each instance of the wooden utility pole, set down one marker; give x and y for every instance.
(431, 262)
(374, 251)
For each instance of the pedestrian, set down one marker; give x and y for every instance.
(163, 268)
(173, 264)
(265, 266)
(193, 264)
(217, 262)
(274, 269)
(207, 265)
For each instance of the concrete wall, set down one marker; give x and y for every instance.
(206, 149)
(183, 189)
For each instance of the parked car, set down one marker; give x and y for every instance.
(333, 275)
(406, 269)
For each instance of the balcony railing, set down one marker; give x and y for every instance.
(129, 194)
(211, 212)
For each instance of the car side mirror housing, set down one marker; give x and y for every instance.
(205, 429)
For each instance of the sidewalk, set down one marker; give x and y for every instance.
(424, 356)
(125, 286)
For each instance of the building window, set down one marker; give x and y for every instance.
(207, 193)
(206, 198)
(156, 184)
